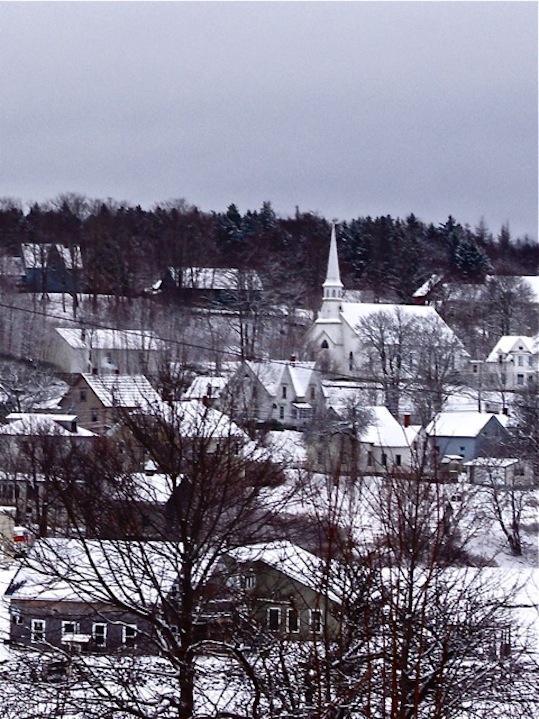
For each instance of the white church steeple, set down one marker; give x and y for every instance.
(333, 287)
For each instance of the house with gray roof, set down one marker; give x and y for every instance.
(99, 400)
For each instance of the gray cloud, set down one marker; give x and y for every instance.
(343, 108)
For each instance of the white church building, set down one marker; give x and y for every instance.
(335, 338)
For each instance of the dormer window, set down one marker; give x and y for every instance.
(324, 345)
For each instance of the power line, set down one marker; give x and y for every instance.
(94, 324)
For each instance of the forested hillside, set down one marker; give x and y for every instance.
(126, 248)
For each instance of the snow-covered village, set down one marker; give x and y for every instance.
(193, 527)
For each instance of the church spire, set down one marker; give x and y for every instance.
(333, 286)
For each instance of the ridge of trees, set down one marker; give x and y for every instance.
(126, 248)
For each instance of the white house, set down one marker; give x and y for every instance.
(105, 351)
(285, 391)
(513, 363)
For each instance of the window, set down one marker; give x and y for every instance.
(324, 345)
(284, 391)
(316, 621)
(99, 634)
(520, 361)
(69, 628)
(249, 581)
(369, 459)
(530, 361)
(274, 619)
(94, 415)
(129, 635)
(398, 460)
(313, 392)
(520, 379)
(83, 395)
(37, 630)
(384, 460)
(281, 412)
(292, 620)
(351, 361)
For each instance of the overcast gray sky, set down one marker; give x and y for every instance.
(343, 108)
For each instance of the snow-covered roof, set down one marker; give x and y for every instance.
(205, 386)
(512, 343)
(427, 286)
(383, 429)
(194, 419)
(270, 374)
(24, 424)
(293, 561)
(462, 424)
(355, 312)
(109, 339)
(220, 278)
(340, 395)
(496, 462)
(36, 256)
(130, 391)
(71, 570)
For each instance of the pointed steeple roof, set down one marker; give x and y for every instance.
(333, 275)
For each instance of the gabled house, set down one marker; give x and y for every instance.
(32, 447)
(99, 401)
(212, 286)
(286, 392)
(499, 472)
(466, 434)
(105, 351)
(513, 363)
(51, 267)
(361, 439)
(282, 589)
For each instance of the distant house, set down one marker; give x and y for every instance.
(466, 434)
(60, 597)
(513, 363)
(362, 440)
(99, 400)
(437, 289)
(30, 445)
(280, 391)
(212, 286)
(282, 589)
(51, 268)
(499, 472)
(105, 351)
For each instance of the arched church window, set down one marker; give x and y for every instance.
(333, 293)
(351, 361)
(324, 345)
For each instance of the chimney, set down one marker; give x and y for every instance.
(406, 420)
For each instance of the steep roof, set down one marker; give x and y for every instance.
(129, 391)
(511, 343)
(270, 374)
(204, 386)
(462, 424)
(293, 561)
(36, 256)
(383, 429)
